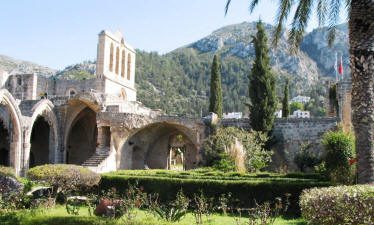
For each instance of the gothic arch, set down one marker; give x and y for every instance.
(111, 55)
(149, 146)
(81, 126)
(117, 60)
(128, 66)
(123, 64)
(44, 110)
(15, 152)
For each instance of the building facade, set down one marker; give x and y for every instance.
(97, 122)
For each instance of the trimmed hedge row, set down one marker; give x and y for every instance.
(339, 205)
(245, 192)
(216, 175)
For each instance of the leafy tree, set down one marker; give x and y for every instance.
(215, 99)
(220, 150)
(296, 106)
(262, 85)
(361, 33)
(340, 150)
(285, 105)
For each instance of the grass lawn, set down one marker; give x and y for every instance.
(59, 216)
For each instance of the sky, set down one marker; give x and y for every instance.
(58, 33)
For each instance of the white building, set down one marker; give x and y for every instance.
(301, 99)
(233, 115)
(278, 114)
(300, 114)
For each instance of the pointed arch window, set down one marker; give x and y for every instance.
(128, 66)
(117, 60)
(111, 58)
(123, 64)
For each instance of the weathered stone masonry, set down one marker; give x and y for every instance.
(99, 124)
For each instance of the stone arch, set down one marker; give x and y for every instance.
(117, 60)
(111, 57)
(14, 123)
(123, 64)
(128, 66)
(81, 128)
(45, 141)
(149, 147)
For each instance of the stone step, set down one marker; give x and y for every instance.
(95, 159)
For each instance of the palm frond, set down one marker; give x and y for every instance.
(299, 23)
(282, 14)
(321, 12)
(334, 11)
(253, 4)
(227, 6)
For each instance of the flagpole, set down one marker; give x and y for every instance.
(336, 66)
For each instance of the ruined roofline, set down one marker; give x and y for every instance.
(118, 37)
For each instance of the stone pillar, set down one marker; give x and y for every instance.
(103, 139)
(25, 158)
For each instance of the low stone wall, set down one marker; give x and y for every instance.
(289, 135)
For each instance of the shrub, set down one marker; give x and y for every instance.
(7, 171)
(65, 178)
(338, 205)
(236, 148)
(245, 188)
(340, 148)
(305, 158)
(172, 211)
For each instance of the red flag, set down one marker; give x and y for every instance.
(340, 68)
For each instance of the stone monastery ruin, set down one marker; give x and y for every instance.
(98, 122)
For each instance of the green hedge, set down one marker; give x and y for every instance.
(245, 190)
(215, 175)
(339, 205)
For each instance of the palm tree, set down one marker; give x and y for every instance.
(361, 47)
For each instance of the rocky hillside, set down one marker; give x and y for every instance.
(16, 66)
(315, 45)
(178, 82)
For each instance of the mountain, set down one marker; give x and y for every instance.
(16, 66)
(315, 45)
(178, 82)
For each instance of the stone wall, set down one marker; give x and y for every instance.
(290, 134)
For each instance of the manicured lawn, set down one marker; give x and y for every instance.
(59, 216)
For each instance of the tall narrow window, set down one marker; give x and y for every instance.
(128, 66)
(117, 60)
(111, 58)
(123, 64)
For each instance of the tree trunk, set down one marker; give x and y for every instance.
(361, 40)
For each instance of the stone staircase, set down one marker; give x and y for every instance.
(96, 159)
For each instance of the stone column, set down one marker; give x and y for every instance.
(25, 159)
(103, 140)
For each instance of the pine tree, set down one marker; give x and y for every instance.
(215, 88)
(285, 105)
(262, 85)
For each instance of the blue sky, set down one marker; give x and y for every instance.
(60, 33)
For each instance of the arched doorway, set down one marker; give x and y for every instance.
(40, 143)
(158, 146)
(82, 137)
(10, 116)
(4, 145)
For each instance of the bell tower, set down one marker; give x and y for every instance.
(116, 65)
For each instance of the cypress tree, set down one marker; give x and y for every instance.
(285, 105)
(215, 88)
(262, 85)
